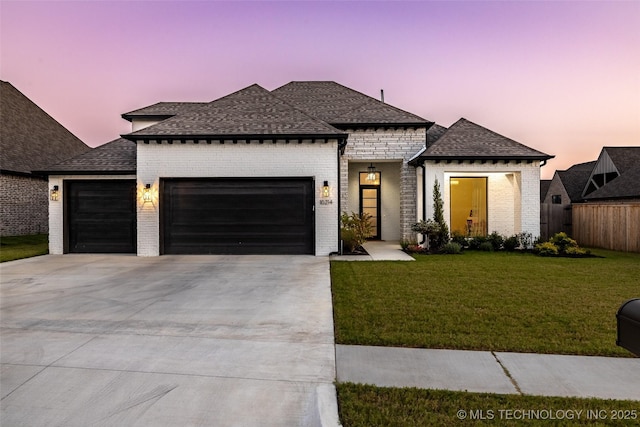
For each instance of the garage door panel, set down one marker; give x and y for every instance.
(238, 216)
(101, 216)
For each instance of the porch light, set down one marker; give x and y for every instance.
(372, 173)
(325, 189)
(146, 193)
(55, 193)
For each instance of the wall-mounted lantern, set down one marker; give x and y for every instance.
(326, 190)
(146, 193)
(54, 194)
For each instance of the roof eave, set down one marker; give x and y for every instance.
(130, 117)
(85, 172)
(425, 124)
(233, 137)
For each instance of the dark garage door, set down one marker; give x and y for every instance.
(238, 216)
(101, 216)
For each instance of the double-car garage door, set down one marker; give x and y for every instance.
(197, 216)
(237, 216)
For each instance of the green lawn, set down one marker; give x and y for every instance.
(17, 247)
(368, 406)
(486, 301)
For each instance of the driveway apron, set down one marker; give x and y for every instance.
(164, 341)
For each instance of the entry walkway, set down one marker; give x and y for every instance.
(491, 372)
(378, 250)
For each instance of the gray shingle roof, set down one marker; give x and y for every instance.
(625, 158)
(30, 139)
(575, 178)
(115, 157)
(252, 111)
(626, 186)
(163, 109)
(342, 106)
(467, 140)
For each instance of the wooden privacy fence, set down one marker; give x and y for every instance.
(609, 226)
(554, 219)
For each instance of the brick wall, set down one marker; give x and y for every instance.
(23, 205)
(156, 161)
(513, 192)
(56, 208)
(386, 145)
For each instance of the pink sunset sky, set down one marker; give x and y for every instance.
(560, 77)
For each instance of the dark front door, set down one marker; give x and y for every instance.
(370, 200)
(100, 216)
(238, 216)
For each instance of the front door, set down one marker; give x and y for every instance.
(370, 200)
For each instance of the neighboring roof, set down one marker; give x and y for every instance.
(163, 110)
(30, 139)
(115, 157)
(250, 112)
(626, 186)
(624, 158)
(342, 106)
(544, 188)
(575, 178)
(465, 140)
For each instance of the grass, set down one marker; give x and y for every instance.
(18, 247)
(362, 405)
(486, 301)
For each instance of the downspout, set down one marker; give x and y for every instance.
(424, 197)
(341, 147)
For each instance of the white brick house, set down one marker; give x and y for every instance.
(270, 172)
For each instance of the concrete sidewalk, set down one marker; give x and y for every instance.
(491, 372)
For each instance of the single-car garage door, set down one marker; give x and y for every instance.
(238, 216)
(101, 216)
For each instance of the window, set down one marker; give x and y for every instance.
(556, 199)
(469, 206)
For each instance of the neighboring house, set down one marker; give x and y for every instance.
(30, 140)
(609, 216)
(262, 171)
(564, 189)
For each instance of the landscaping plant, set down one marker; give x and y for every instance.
(355, 230)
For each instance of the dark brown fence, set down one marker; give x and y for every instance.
(554, 219)
(609, 226)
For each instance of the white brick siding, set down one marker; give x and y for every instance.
(56, 208)
(316, 160)
(513, 193)
(380, 146)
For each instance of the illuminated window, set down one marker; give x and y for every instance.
(468, 205)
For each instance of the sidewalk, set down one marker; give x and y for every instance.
(490, 372)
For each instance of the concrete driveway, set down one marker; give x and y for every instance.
(165, 341)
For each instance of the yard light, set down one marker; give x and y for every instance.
(55, 193)
(325, 189)
(146, 193)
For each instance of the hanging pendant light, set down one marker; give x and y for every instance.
(371, 176)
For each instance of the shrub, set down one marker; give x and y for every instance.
(355, 230)
(442, 236)
(525, 240)
(563, 242)
(546, 249)
(577, 252)
(496, 240)
(476, 242)
(511, 243)
(460, 239)
(486, 246)
(452, 248)
(404, 244)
